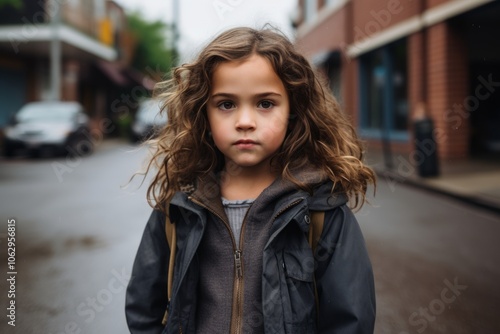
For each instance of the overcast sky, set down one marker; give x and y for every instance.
(201, 20)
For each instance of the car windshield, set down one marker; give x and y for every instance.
(149, 112)
(53, 113)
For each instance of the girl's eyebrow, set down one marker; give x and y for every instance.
(260, 95)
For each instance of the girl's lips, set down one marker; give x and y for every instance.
(245, 144)
(245, 141)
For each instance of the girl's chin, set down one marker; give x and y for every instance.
(247, 164)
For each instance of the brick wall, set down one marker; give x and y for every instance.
(416, 66)
(329, 35)
(447, 87)
(373, 16)
(445, 61)
(434, 3)
(350, 89)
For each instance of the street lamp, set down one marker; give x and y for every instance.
(55, 52)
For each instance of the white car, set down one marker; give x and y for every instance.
(148, 119)
(51, 126)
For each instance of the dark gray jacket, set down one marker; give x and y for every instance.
(341, 266)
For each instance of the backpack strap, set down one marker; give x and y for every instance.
(315, 230)
(171, 235)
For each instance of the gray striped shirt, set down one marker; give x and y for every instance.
(235, 212)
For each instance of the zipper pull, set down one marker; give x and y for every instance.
(237, 263)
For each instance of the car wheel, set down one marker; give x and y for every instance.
(8, 151)
(80, 147)
(33, 153)
(48, 152)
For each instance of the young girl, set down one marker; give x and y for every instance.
(254, 144)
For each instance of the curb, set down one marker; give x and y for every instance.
(471, 200)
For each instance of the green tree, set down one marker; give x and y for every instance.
(153, 49)
(17, 4)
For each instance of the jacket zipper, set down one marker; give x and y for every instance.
(237, 307)
(297, 201)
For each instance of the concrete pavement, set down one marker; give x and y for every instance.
(474, 181)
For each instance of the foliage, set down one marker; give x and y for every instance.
(154, 49)
(17, 4)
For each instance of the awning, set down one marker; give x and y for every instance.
(16, 39)
(125, 76)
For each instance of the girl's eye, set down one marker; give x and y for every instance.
(226, 105)
(266, 104)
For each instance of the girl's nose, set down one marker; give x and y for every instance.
(246, 119)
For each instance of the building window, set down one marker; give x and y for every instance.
(334, 76)
(384, 92)
(333, 68)
(310, 10)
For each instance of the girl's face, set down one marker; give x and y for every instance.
(248, 112)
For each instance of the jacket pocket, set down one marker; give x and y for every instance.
(297, 291)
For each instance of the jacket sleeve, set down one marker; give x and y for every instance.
(344, 277)
(146, 297)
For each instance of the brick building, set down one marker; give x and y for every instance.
(391, 61)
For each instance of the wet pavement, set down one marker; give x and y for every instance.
(436, 262)
(78, 225)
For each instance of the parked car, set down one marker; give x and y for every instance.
(50, 127)
(148, 119)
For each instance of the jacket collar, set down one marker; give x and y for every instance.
(206, 192)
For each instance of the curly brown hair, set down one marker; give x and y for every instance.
(319, 132)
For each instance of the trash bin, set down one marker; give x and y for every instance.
(426, 148)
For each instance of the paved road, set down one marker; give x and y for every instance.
(78, 228)
(435, 260)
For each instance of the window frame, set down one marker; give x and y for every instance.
(387, 129)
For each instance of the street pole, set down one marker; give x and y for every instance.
(55, 53)
(175, 23)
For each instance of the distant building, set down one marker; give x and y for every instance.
(389, 60)
(96, 54)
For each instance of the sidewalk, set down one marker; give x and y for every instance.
(476, 182)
